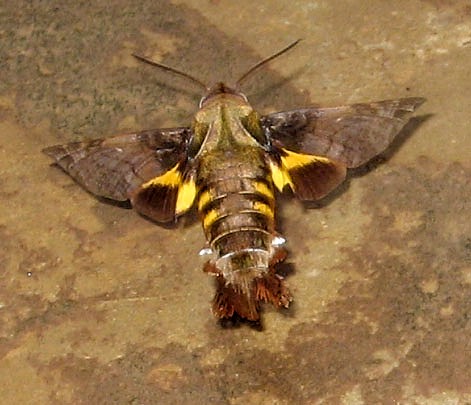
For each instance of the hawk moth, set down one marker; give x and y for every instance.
(229, 163)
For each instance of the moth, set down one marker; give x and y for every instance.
(229, 163)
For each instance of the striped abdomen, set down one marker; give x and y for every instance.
(236, 204)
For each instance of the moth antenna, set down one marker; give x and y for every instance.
(264, 61)
(173, 70)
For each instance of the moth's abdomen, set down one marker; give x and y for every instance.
(238, 214)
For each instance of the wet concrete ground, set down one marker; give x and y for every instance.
(100, 306)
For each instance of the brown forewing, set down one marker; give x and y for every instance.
(114, 167)
(351, 134)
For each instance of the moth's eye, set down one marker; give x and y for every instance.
(251, 123)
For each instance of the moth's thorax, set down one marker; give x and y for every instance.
(226, 121)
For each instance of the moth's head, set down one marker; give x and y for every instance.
(219, 91)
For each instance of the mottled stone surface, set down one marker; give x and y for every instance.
(100, 306)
